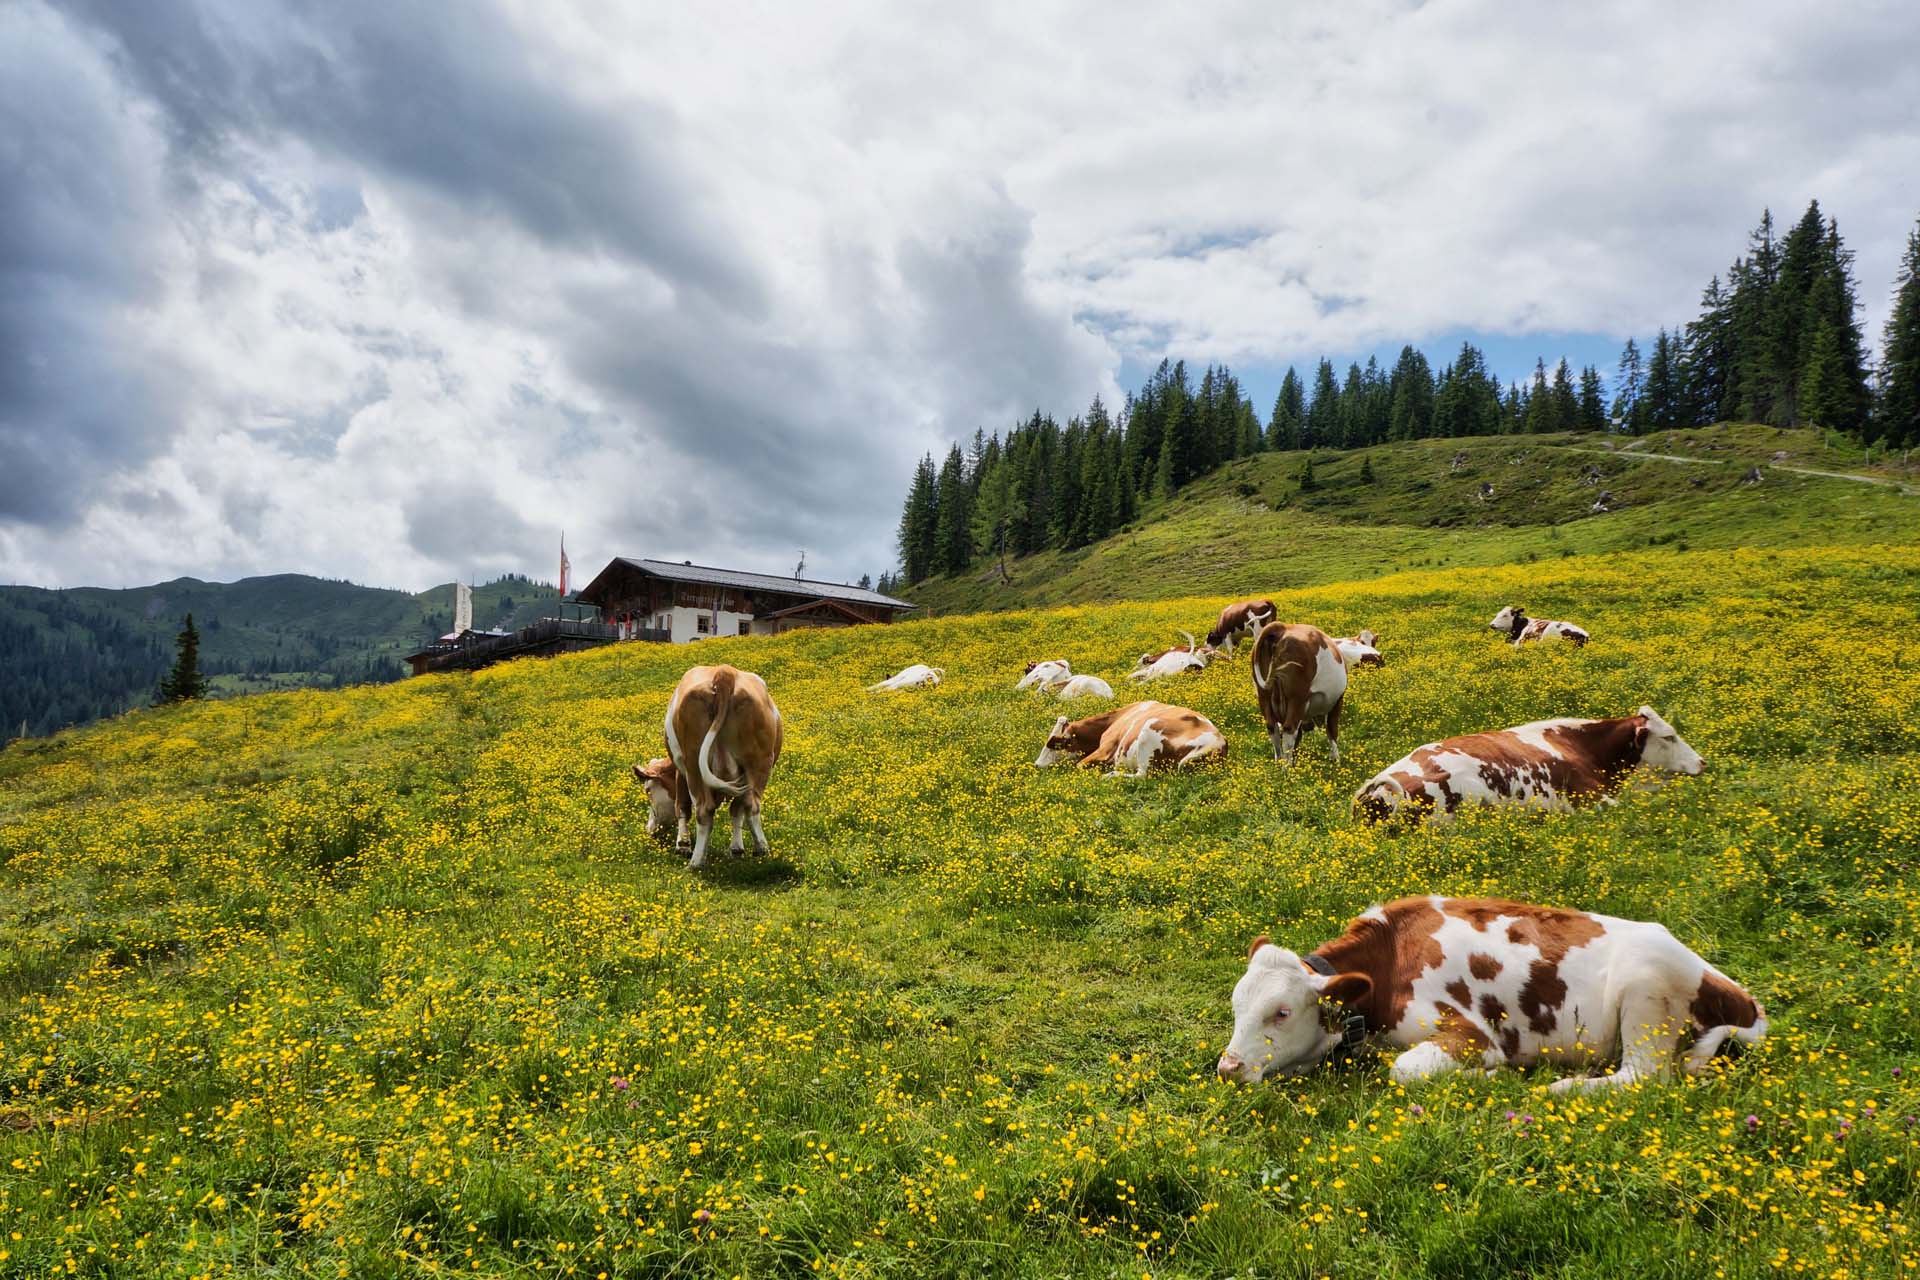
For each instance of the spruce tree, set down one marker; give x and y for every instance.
(1289, 413)
(1897, 415)
(1660, 402)
(919, 522)
(953, 526)
(1323, 415)
(1631, 381)
(1539, 416)
(1592, 412)
(184, 682)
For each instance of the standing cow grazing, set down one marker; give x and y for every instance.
(1240, 621)
(1514, 623)
(726, 719)
(1134, 738)
(1548, 764)
(1477, 983)
(1300, 681)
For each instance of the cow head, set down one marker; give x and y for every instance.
(1662, 748)
(662, 782)
(1277, 1029)
(1059, 746)
(1368, 638)
(1031, 666)
(1503, 620)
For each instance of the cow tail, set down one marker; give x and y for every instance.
(723, 706)
(1191, 644)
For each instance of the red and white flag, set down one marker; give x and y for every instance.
(565, 566)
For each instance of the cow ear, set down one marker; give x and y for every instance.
(1253, 948)
(640, 775)
(1346, 988)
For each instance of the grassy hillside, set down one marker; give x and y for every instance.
(390, 980)
(1463, 503)
(79, 654)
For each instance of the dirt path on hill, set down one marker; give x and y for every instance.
(1883, 481)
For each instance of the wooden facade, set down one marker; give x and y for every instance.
(651, 599)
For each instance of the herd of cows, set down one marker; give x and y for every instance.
(1458, 984)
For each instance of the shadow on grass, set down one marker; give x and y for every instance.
(753, 871)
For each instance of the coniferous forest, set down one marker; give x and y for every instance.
(1777, 341)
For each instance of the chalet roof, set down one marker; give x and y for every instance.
(678, 571)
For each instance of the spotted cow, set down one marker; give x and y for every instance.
(1300, 681)
(1171, 662)
(1083, 687)
(1046, 675)
(913, 677)
(1240, 621)
(1134, 738)
(723, 736)
(1479, 983)
(1362, 650)
(1514, 623)
(1549, 764)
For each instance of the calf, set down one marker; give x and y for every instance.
(1084, 687)
(912, 678)
(1549, 764)
(1519, 628)
(1170, 662)
(726, 719)
(1360, 650)
(1046, 674)
(1241, 621)
(667, 799)
(1482, 983)
(1134, 738)
(1300, 680)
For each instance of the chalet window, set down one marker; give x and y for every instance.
(702, 624)
(745, 623)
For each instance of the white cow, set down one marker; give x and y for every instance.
(1084, 687)
(912, 678)
(1045, 675)
(1171, 662)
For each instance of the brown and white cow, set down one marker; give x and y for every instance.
(1171, 662)
(1362, 650)
(723, 733)
(913, 677)
(667, 800)
(1548, 764)
(1479, 983)
(1240, 621)
(1045, 675)
(1300, 681)
(1134, 738)
(1514, 623)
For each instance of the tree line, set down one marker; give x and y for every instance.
(1777, 341)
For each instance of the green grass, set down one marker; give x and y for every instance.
(1249, 529)
(389, 979)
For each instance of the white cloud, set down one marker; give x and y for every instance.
(399, 297)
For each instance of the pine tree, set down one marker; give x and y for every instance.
(1710, 387)
(1566, 405)
(1592, 412)
(1323, 415)
(919, 522)
(1411, 400)
(1289, 413)
(184, 682)
(953, 528)
(1539, 416)
(1660, 402)
(1631, 381)
(1897, 415)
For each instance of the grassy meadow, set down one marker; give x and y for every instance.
(390, 981)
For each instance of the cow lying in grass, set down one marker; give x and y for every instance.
(1549, 764)
(1514, 623)
(1361, 650)
(1171, 662)
(1134, 738)
(912, 678)
(723, 735)
(1045, 675)
(1476, 983)
(1083, 687)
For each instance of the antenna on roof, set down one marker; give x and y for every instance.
(800, 570)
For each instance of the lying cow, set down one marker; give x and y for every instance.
(1549, 764)
(1134, 738)
(1045, 675)
(1361, 650)
(667, 800)
(1300, 681)
(1481, 983)
(1519, 628)
(912, 678)
(1171, 662)
(1240, 621)
(1083, 687)
(723, 734)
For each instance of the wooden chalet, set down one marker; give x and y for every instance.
(682, 601)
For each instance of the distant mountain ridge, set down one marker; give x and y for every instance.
(78, 654)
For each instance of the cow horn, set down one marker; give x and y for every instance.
(1259, 942)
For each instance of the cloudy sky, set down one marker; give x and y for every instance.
(394, 292)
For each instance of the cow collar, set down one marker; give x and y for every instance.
(1353, 1023)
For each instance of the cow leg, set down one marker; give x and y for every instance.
(1289, 741)
(759, 833)
(1333, 730)
(739, 810)
(1650, 1030)
(705, 807)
